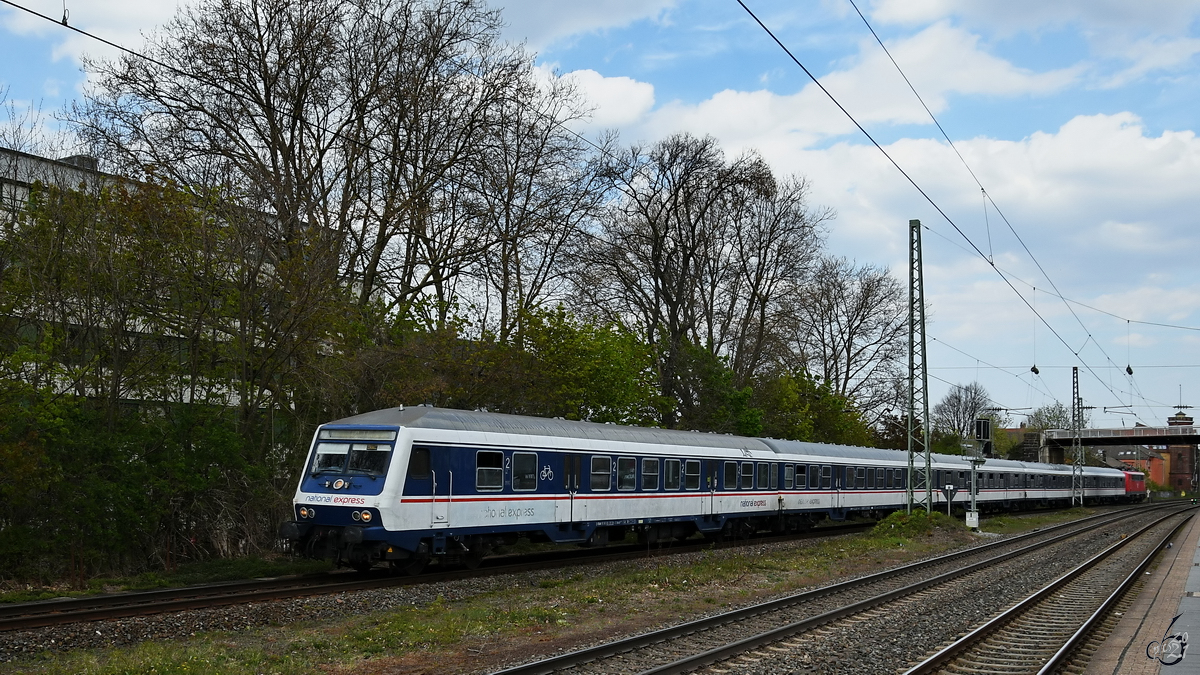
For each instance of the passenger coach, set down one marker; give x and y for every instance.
(406, 485)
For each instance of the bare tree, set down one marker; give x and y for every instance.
(849, 327)
(537, 191)
(957, 411)
(444, 87)
(650, 254)
(366, 121)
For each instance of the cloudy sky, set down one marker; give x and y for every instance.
(1078, 118)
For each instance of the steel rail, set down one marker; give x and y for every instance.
(44, 613)
(556, 663)
(964, 644)
(1061, 656)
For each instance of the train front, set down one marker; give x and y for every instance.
(337, 507)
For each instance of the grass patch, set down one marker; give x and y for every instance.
(1013, 523)
(190, 574)
(561, 606)
(916, 524)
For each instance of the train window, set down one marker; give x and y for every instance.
(649, 474)
(870, 479)
(601, 473)
(763, 476)
(747, 476)
(898, 477)
(789, 475)
(774, 476)
(1002, 484)
(626, 473)
(731, 475)
(489, 470)
(330, 457)
(671, 474)
(691, 474)
(887, 478)
(418, 463)
(826, 477)
(860, 477)
(524, 471)
(814, 477)
(572, 472)
(368, 458)
(801, 477)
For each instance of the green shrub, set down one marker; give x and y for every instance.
(916, 524)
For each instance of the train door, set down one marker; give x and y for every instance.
(443, 496)
(831, 481)
(572, 479)
(710, 506)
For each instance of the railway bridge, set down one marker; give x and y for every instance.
(1179, 442)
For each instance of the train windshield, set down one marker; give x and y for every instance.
(368, 459)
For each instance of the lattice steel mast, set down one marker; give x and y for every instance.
(1076, 442)
(918, 379)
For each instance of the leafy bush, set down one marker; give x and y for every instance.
(911, 526)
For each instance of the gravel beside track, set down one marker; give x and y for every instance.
(184, 624)
(1030, 635)
(892, 637)
(234, 618)
(656, 650)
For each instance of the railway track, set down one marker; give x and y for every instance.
(1040, 633)
(140, 603)
(695, 645)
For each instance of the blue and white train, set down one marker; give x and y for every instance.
(407, 485)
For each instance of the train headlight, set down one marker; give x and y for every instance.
(356, 515)
(306, 512)
(366, 516)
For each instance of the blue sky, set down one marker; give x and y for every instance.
(1078, 117)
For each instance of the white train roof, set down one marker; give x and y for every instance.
(429, 417)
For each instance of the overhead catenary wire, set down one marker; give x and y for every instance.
(367, 146)
(925, 195)
(1054, 294)
(989, 365)
(988, 198)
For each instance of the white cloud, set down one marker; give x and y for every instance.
(618, 101)
(1025, 15)
(541, 23)
(121, 21)
(940, 61)
(1148, 55)
(1142, 37)
(1152, 303)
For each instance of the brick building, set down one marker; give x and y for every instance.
(1182, 474)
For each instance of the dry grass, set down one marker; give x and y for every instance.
(565, 609)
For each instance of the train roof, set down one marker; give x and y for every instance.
(428, 417)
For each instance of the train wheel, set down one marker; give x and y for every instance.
(475, 553)
(411, 566)
(472, 559)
